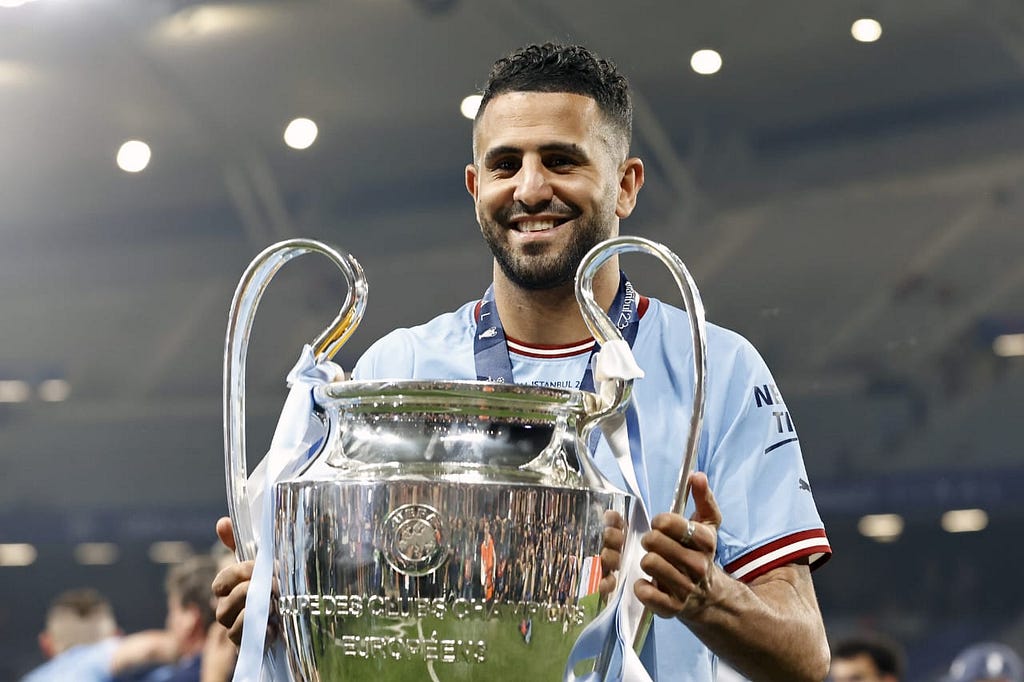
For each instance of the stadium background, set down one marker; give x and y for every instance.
(854, 208)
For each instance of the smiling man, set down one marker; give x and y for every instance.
(551, 177)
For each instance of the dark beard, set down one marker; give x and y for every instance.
(534, 268)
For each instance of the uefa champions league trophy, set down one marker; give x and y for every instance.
(422, 530)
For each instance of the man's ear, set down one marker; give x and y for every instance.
(47, 645)
(196, 620)
(631, 179)
(472, 181)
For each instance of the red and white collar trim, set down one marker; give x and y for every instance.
(570, 350)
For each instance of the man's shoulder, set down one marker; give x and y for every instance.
(86, 662)
(439, 331)
(666, 323)
(400, 352)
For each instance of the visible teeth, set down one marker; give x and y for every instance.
(536, 225)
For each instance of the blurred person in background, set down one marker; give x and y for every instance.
(190, 615)
(86, 646)
(80, 637)
(219, 652)
(986, 662)
(867, 658)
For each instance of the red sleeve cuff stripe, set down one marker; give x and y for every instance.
(786, 550)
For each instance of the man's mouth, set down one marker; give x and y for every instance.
(538, 225)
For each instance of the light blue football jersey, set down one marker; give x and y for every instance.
(749, 450)
(84, 663)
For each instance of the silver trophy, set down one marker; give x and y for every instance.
(434, 530)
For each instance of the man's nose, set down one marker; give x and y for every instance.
(533, 187)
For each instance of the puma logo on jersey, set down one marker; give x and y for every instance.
(804, 485)
(488, 333)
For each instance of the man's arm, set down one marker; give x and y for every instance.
(769, 630)
(150, 647)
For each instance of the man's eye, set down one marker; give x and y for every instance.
(559, 162)
(505, 166)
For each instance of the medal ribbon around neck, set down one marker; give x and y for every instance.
(493, 363)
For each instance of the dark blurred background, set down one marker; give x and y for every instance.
(854, 208)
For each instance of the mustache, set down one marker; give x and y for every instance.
(517, 210)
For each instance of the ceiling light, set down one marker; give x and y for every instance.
(208, 21)
(706, 62)
(14, 73)
(54, 390)
(470, 105)
(1008, 345)
(881, 527)
(14, 391)
(17, 554)
(96, 553)
(964, 520)
(14, 3)
(866, 30)
(133, 156)
(300, 133)
(169, 552)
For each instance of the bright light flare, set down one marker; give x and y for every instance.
(1008, 345)
(96, 553)
(14, 391)
(133, 156)
(964, 520)
(470, 105)
(214, 20)
(866, 30)
(54, 390)
(706, 62)
(14, 73)
(300, 133)
(171, 552)
(17, 554)
(881, 527)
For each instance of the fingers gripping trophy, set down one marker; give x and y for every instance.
(442, 530)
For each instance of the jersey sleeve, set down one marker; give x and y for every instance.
(441, 349)
(390, 357)
(756, 470)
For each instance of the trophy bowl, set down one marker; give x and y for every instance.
(445, 531)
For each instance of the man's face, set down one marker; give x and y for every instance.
(546, 184)
(180, 621)
(860, 668)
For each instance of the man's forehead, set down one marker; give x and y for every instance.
(514, 117)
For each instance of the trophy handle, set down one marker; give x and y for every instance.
(247, 296)
(603, 329)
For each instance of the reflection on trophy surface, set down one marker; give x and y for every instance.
(424, 541)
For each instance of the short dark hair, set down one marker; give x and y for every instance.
(886, 654)
(564, 68)
(190, 582)
(79, 616)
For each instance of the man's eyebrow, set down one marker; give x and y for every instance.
(568, 148)
(497, 152)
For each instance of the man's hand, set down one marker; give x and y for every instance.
(611, 554)
(680, 557)
(231, 586)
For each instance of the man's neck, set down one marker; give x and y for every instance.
(550, 317)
